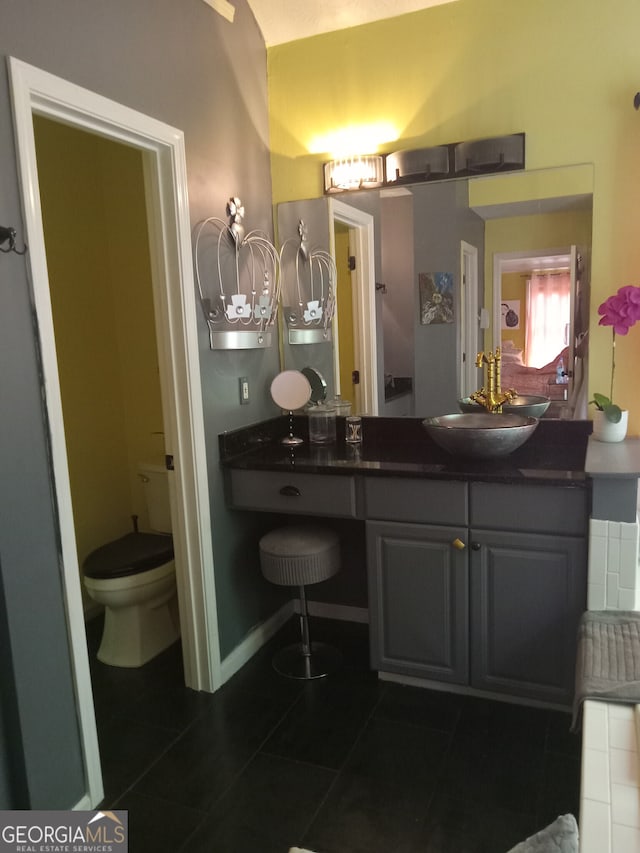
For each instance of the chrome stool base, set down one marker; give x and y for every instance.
(292, 661)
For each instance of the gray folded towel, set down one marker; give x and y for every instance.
(559, 837)
(608, 658)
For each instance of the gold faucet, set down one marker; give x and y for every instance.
(491, 397)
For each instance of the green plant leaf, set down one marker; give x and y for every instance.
(601, 402)
(612, 413)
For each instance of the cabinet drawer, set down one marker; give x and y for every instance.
(535, 509)
(310, 494)
(428, 501)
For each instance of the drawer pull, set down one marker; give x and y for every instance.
(458, 544)
(290, 491)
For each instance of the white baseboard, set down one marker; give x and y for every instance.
(341, 612)
(84, 804)
(254, 641)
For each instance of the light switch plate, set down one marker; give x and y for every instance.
(244, 390)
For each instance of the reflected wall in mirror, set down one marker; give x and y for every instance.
(470, 229)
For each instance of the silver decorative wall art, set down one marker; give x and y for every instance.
(309, 289)
(238, 278)
(436, 297)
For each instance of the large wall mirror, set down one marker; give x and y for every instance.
(429, 274)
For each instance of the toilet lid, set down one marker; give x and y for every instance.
(129, 555)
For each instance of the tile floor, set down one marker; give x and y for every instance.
(347, 764)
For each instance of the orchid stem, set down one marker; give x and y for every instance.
(613, 363)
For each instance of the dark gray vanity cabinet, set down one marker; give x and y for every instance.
(528, 583)
(489, 595)
(418, 600)
(418, 577)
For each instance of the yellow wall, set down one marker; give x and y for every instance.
(565, 73)
(514, 287)
(97, 255)
(344, 307)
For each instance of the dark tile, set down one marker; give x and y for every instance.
(346, 764)
(430, 708)
(560, 792)
(259, 677)
(399, 756)
(482, 770)
(325, 722)
(116, 690)
(503, 721)
(274, 800)
(170, 707)
(459, 826)
(127, 751)
(350, 638)
(560, 738)
(514, 777)
(360, 815)
(156, 826)
(206, 759)
(466, 768)
(233, 839)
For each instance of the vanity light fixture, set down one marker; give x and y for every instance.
(243, 272)
(309, 288)
(362, 171)
(438, 163)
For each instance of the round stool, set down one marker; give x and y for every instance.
(297, 556)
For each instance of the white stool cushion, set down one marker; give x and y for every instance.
(299, 555)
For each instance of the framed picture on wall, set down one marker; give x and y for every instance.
(436, 297)
(511, 314)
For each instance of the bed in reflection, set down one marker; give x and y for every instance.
(531, 380)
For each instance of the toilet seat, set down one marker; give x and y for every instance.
(132, 554)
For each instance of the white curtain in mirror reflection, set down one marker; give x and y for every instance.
(548, 318)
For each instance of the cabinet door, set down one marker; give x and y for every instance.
(527, 594)
(418, 600)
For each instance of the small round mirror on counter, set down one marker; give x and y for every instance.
(317, 382)
(291, 390)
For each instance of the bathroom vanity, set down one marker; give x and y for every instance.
(476, 569)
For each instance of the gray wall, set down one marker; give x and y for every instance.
(441, 219)
(397, 275)
(185, 65)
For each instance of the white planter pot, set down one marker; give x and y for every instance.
(604, 430)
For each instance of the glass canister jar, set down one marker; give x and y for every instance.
(342, 407)
(322, 424)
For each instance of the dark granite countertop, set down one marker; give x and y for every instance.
(555, 454)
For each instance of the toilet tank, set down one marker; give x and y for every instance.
(155, 481)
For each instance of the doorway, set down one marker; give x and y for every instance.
(344, 308)
(35, 92)
(95, 226)
(358, 227)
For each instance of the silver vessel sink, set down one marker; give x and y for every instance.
(522, 404)
(481, 435)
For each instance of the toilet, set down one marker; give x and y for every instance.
(134, 577)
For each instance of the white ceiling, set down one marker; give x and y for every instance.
(287, 20)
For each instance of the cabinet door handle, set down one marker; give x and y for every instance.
(458, 544)
(475, 546)
(290, 491)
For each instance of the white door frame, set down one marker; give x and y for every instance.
(468, 334)
(36, 91)
(501, 260)
(361, 238)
